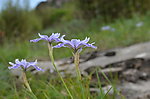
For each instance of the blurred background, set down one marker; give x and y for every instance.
(109, 23)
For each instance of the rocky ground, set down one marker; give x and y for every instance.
(131, 64)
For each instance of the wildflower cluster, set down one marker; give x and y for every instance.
(75, 44)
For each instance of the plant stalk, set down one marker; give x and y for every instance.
(27, 84)
(52, 59)
(76, 62)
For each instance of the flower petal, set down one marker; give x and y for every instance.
(14, 67)
(37, 68)
(80, 49)
(36, 40)
(75, 43)
(11, 63)
(33, 63)
(59, 45)
(90, 45)
(42, 36)
(86, 40)
(17, 61)
(55, 35)
(63, 40)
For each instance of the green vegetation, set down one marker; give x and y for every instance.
(109, 10)
(18, 28)
(125, 34)
(18, 23)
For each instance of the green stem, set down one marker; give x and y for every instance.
(76, 62)
(52, 59)
(27, 84)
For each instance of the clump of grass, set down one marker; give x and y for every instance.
(18, 22)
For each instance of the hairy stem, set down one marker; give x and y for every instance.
(27, 84)
(76, 62)
(79, 78)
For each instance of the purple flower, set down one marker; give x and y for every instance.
(75, 44)
(24, 64)
(53, 38)
(139, 24)
(104, 28)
